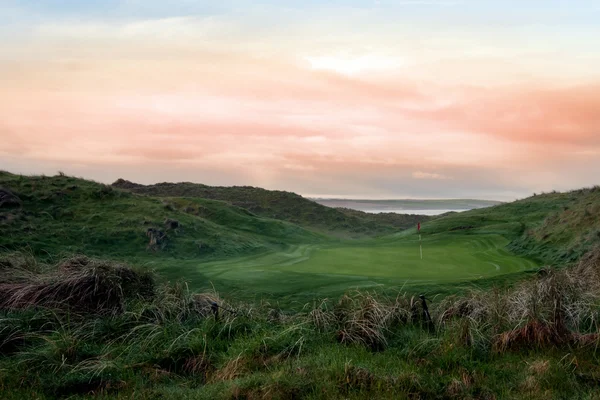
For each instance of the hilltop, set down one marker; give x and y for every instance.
(285, 206)
(66, 215)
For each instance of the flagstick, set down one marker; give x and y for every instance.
(420, 246)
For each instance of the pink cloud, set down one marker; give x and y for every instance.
(276, 119)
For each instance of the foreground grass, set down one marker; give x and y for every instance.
(419, 367)
(154, 340)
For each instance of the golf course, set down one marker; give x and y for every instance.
(314, 270)
(182, 290)
(253, 243)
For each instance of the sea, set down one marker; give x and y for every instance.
(407, 211)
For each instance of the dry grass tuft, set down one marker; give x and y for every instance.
(539, 367)
(364, 322)
(456, 388)
(586, 340)
(234, 368)
(78, 284)
(197, 365)
(530, 384)
(322, 318)
(534, 333)
(474, 306)
(359, 378)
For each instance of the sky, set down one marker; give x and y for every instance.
(358, 98)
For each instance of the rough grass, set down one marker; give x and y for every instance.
(78, 284)
(66, 215)
(536, 340)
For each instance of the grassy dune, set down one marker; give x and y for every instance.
(66, 215)
(285, 206)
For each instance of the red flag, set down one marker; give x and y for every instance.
(419, 226)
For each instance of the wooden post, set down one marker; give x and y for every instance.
(426, 315)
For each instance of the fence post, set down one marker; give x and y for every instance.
(426, 315)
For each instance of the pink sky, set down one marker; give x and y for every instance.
(353, 106)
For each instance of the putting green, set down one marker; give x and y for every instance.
(324, 270)
(443, 260)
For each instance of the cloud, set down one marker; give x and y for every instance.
(544, 115)
(429, 175)
(355, 65)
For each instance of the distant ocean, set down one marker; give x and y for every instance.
(408, 206)
(405, 211)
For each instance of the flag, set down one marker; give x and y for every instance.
(419, 226)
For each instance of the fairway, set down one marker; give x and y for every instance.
(329, 269)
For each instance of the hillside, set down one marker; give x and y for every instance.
(285, 206)
(61, 214)
(554, 228)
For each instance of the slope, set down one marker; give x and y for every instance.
(286, 206)
(63, 214)
(553, 228)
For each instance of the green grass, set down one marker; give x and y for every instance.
(306, 271)
(445, 259)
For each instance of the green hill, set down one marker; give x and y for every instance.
(285, 206)
(553, 227)
(63, 214)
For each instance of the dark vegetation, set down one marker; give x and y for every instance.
(284, 206)
(75, 326)
(398, 221)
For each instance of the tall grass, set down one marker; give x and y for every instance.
(169, 342)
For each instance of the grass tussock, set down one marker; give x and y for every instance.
(557, 308)
(79, 284)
